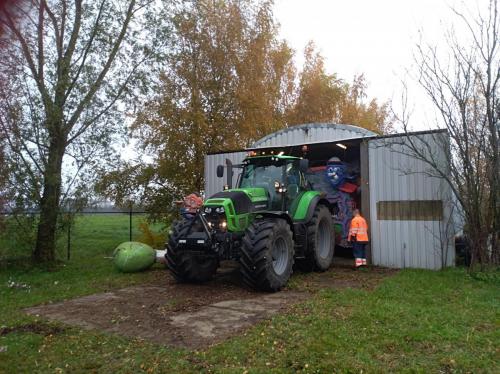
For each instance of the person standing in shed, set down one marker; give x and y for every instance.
(358, 235)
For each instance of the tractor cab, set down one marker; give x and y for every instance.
(281, 177)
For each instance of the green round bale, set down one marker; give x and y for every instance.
(130, 257)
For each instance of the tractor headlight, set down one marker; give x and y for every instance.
(220, 209)
(208, 210)
(223, 225)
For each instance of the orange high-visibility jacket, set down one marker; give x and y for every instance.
(358, 230)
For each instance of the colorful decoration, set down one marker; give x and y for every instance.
(337, 180)
(349, 187)
(340, 173)
(343, 217)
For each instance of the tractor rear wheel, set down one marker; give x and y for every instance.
(320, 241)
(267, 254)
(185, 266)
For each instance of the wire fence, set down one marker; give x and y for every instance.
(105, 228)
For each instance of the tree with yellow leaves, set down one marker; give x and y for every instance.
(323, 97)
(227, 82)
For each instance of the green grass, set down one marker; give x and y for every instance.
(416, 321)
(91, 235)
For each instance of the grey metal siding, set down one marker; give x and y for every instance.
(312, 133)
(212, 183)
(397, 176)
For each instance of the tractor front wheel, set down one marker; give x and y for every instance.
(267, 254)
(185, 266)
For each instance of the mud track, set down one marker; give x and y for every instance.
(195, 316)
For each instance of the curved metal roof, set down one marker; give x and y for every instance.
(312, 133)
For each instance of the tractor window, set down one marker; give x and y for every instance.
(259, 175)
(296, 185)
(293, 184)
(292, 174)
(264, 175)
(295, 177)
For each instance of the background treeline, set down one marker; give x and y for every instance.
(227, 81)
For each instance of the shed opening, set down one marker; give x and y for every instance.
(335, 170)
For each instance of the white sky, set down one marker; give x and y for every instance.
(376, 38)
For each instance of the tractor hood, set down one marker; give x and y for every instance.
(240, 200)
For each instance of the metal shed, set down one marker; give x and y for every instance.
(409, 214)
(312, 133)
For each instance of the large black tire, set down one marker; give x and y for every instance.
(184, 266)
(320, 241)
(267, 254)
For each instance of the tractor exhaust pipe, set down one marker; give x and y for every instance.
(229, 166)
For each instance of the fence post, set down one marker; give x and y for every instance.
(130, 223)
(69, 238)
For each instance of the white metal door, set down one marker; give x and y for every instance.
(404, 205)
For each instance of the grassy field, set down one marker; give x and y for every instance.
(91, 235)
(416, 321)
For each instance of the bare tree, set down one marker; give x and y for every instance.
(444, 236)
(66, 68)
(3, 177)
(463, 87)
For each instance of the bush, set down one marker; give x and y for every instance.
(154, 239)
(17, 236)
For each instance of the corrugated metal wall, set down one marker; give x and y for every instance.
(214, 184)
(394, 175)
(312, 133)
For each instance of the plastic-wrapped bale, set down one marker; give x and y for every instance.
(131, 257)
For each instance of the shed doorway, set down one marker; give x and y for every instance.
(339, 170)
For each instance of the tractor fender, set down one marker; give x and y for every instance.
(307, 204)
(317, 200)
(281, 215)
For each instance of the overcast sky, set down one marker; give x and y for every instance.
(376, 38)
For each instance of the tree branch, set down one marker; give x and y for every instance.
(57, 32)
(122, 88)
(29, 59)
(85, 52)
(93, 89)
(40, 30)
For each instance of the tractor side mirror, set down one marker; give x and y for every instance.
(220, 171)
(303, 165)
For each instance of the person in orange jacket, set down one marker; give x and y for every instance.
(358, 235)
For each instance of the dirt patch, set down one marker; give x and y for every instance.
(343, 275)
(194, 316)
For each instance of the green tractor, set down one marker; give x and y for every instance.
(270, 220)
